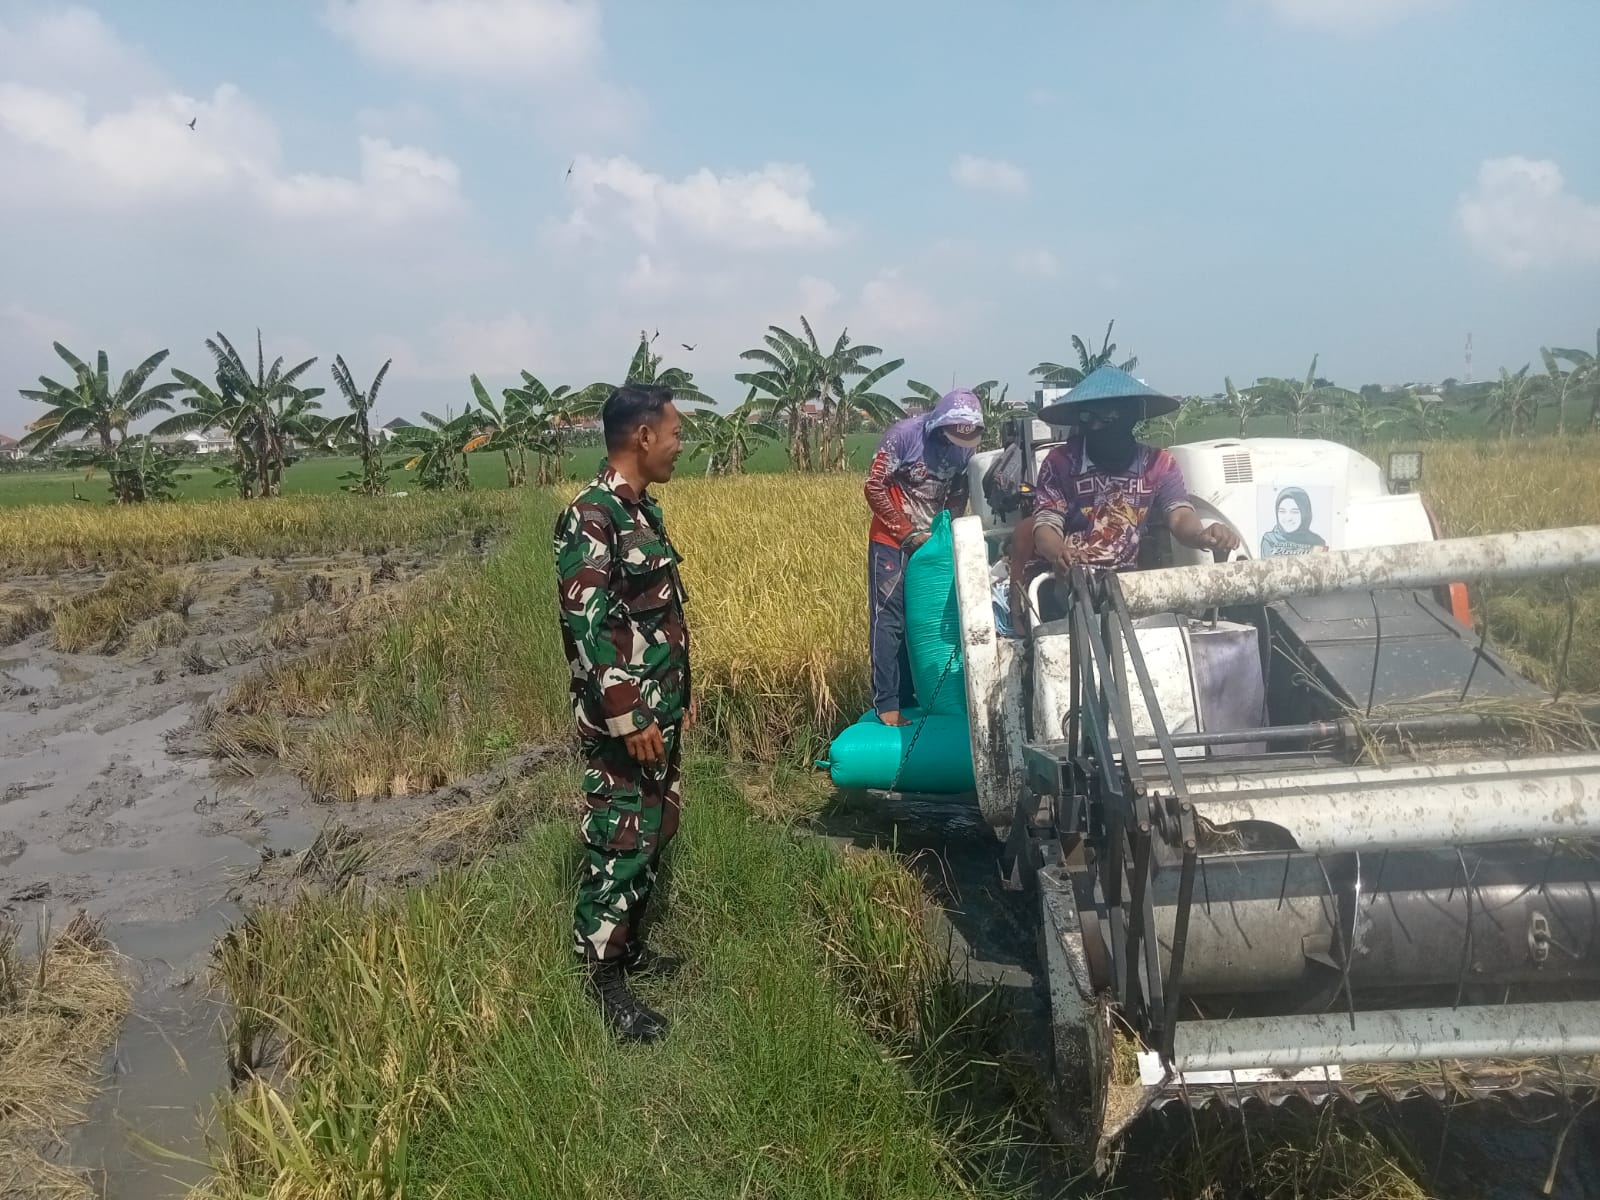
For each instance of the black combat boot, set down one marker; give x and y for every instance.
(644, 963)
(629, 1020)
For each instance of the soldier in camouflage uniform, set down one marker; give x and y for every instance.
(627, 645)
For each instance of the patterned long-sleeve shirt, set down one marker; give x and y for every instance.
(913, 476)
(1101, 513)
(622, 619)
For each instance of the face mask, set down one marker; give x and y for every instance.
(1111, 446)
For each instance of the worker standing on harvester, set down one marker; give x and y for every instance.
(919, 470)
(1098, 491)
(627, 644)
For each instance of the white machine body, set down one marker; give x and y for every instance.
(1197, 665)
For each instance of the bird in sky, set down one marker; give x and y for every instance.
(192, 120)
(687, 346)
(570, 165)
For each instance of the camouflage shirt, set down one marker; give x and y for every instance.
(622, 619)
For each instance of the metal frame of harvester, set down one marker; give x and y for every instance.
(1337, 903)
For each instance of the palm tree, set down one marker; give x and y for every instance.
(728, 439)
(90, 405)
(1060, 375)
(1297, 399)
(1585, 376)
(355, 429)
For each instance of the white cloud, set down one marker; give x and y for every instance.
(753, 210)
(519, 42)
(500, 345)
(1349, 16)
(891, 303)
(1520, 215)
(816, 295)
(396, 183)
(989, 175)
(145, 153)
(1038, 263)
(73, 45)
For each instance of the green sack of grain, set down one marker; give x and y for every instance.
(933, 626)
(870, 754)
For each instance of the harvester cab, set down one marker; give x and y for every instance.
(1291, 826)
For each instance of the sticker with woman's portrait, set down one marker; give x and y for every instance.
(1290, 517)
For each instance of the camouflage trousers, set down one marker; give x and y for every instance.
(632, 814)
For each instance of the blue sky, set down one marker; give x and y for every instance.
(1239, 183)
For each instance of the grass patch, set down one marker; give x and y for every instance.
(57, 537)
(777, 617)
(18, 621)
(438, 1042)
(106, 618)
(58, 1010)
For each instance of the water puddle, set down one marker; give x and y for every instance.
(165, 1070)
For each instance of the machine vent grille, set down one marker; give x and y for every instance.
(1236, 468)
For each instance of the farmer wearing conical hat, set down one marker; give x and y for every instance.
(919, 470)
(627, 645)
(1100, 490)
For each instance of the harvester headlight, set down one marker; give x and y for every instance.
(1405, 468)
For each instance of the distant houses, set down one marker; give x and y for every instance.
(10, 448)
(194, 443)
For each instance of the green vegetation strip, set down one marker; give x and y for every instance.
(439, 1043)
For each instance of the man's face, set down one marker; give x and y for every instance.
(1094, 417)
(660, 444)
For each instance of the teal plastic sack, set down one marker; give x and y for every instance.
(933, 625)
(869, 754)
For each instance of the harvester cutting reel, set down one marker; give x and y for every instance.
(1355, 904)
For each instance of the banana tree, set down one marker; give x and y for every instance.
(91, 405)
(787, 384)
(209, 408)
(1585, 376)
(864, 402)
(728, 439)
(549, 415)
(1066, 375)
(1242, 405)
(1513, 402)
(1300, 400)
(266, 411)
(508, 431)
(1426, 413)
(438, 450)
(137, 470)
(354, 430)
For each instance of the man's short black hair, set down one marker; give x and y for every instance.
(630, 406)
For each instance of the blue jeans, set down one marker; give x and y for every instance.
(892, 689)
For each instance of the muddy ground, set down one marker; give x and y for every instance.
(101, 811)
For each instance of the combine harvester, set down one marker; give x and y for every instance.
(1293, 830)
